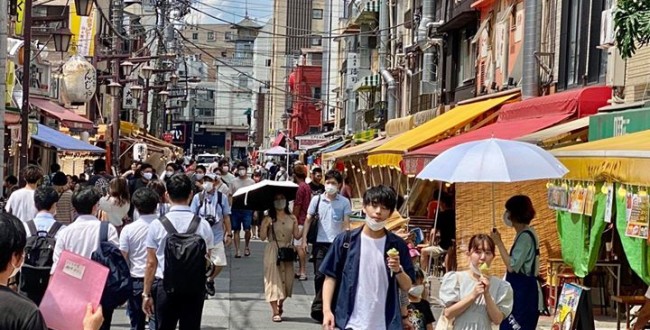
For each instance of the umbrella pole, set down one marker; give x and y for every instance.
(494, 211)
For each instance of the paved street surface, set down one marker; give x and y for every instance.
(240, 305)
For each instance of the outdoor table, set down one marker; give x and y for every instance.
(628, 302)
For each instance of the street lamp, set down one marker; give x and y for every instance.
(83, 7)
(127, 68)
(164, 95)
(62, 39)
(114, 88)
(173, 79)
(147, 72)
(136, 91)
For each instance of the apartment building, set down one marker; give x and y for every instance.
(210, 41)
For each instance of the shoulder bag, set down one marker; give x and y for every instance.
(312, 234)
(285, 254)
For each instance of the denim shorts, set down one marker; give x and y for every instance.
(241, 217)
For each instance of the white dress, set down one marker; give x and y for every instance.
(458, 285)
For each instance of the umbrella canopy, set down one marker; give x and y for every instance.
(493, 160)
(260, 195)
(276, 151)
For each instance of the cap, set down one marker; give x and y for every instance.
(210, 176)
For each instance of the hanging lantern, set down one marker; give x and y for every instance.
(79, 80)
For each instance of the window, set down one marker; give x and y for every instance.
(228, 36)
(580, 61)
(316, 40)
(195, 36)
(243, 81)
(211, 94)
(224, 54)
(268, 62)
(466, 58)
(206, 112)
(317, 14)
(211, 36)
(316, 92)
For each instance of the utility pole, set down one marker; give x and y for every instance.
(118, 14)
(27, 54)
(158, 106)
(3, 86)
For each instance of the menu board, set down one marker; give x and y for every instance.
(574, 309)
(558, 198)
(589, 200)
(577, 198)
(637, 215)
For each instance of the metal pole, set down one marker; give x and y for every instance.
(117, 99)
(193, 121)
(144, 107)
(3, 86)
(27, 51)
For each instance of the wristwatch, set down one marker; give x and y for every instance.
(399, 272)
(146, 295)
(229, 235)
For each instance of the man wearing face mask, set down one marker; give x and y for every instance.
(197, 179)
(241, 218)
(333, 213)
(224, 172)
(367, 299)
(212, 205)
(82, 236)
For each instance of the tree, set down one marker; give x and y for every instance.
(632, 25)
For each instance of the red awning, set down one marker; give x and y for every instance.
(519, 119)
(278, 140)
(67, 118)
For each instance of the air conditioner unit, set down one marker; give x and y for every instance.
(615, 68)
(428, 87)
(606, 29)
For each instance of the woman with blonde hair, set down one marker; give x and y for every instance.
(115, 205)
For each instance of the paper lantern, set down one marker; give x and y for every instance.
(79, 80)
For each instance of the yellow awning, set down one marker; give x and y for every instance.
(623, 159)
(359, 149)
(390, 154)
(399, 125)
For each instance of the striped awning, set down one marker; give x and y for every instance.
(365, 136)
(368, 83)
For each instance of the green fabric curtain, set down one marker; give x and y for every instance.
(580, 236)
(636, 249)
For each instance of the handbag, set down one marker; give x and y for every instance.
(443, 322)
(312, 234)
(285, 254)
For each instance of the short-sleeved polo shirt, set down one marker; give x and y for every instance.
(331, 214)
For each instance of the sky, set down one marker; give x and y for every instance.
(233, 10)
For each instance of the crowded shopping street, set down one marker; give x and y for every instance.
(325, 164)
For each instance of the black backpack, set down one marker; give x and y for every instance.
(35, 273)
(185, 262)
(118, 286)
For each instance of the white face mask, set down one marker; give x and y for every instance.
(16, 269)
(331, 189)
(147, 176)
(242, 172)
(280, 204)
(169, 173)
(416, 291)
(199, 176)
(224, 168)
(374, 225)
(506, 218)
(208, 186)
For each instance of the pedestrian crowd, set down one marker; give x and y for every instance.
(164, 239)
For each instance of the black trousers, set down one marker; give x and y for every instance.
(134, 307)
(178, 308)
(108, 318)
(319, 251)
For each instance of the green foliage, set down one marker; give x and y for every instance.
(632, 25)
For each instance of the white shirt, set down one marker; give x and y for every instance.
(370, 300)
(82, 237)
(180, 217)
(21, 204)
(114, 212)
(132, 241)
(43, 222)
(162, 208)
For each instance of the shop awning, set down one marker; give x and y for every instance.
(278, 140)
(365, 136)
(399, 125)
(391, 152)
(359, 149)
(64, 142)
(556, 133)
(67, 118)
(623, 159)
(333, 147)
(519, 119)
(11, 118)
(131, 129)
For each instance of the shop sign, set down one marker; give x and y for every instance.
(607, 125)
(178, 134)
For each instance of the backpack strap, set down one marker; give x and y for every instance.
(532, 236)
(32, 227)
(103, 231)
(169, 227)
(55, 229)
(194, 225)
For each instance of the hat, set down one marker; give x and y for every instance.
(210, 176)
(59, 179)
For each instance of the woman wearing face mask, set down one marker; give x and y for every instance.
(170, 170)
(474, 298)
(281, 228)
(522, 263)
